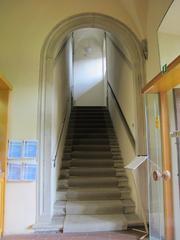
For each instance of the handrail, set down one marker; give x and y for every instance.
(60, 136)
(123, 118)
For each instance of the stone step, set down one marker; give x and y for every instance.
(98, 193)
(93, 181)
(90, 129)
(99, 207)
(91, 147)
(86, 140)
(89, 136)
(80, 171)
(90, 154)
(120, 181)
(92, 163)
(91, 172)
(94, 223)
(60, 208)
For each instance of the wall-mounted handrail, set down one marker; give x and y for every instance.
(60, 136)
(123, 118)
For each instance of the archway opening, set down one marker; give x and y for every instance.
(130, 48)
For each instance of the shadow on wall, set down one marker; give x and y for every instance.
(90, 96)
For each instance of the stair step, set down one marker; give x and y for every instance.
(93, 182)
(82, 181)
(80, 171)
(90, 154)
(89, 136)
(92, 163)
(90, 141)
(98, 193)
(94, 207)
(94, 223)
(91, 147)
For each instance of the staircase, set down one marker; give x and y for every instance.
(93, 192)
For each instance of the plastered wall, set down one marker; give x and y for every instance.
(155, 13)
(120, 77)
(61, 106)
(89, 84)
(169, 47)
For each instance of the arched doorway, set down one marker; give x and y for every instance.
(131, 48)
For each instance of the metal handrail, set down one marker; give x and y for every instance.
(60, 136)
(123, 118)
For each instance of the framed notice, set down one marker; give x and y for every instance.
(30, 149)
(14, 171)
(15, 150)
(29, 172)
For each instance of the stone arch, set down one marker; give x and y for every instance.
(130, 46)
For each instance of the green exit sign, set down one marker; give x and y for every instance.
(164, 68)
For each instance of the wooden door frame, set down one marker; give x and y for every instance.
(161, 84)
(5, 88)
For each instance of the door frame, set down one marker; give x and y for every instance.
(161, 84)
(5, 88)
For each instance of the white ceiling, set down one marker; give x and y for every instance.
(171, 22)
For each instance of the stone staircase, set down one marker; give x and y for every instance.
(93, 192)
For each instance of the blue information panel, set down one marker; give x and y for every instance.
(30, 149)
(15, 149)
(29, 172)
(14, 171)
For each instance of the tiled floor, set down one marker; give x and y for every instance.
(126, 235)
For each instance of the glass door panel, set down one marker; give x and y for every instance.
(156, 207)
(174, 125)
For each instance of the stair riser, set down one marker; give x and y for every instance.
(95, 210)
(97, 196)
(91, 155)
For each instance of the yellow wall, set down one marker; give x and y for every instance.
(24, 26)
(169, 47)
(156, 11)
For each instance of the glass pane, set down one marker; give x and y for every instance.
(174, 120)
(156, 214)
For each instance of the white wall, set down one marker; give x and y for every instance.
(120, 76)
(61, 106)
(89, 84)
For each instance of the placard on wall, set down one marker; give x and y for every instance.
(22, 165)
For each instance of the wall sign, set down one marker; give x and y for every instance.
(29, 172)
(22, 165)
(15, 149)
(14, 171)
(30, 149)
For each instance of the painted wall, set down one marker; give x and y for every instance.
(120, 77)
(89, 84)
(169, 47)
(61, 105)
(24, 26)
(155, 13)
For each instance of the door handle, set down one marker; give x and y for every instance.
(165, 175)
